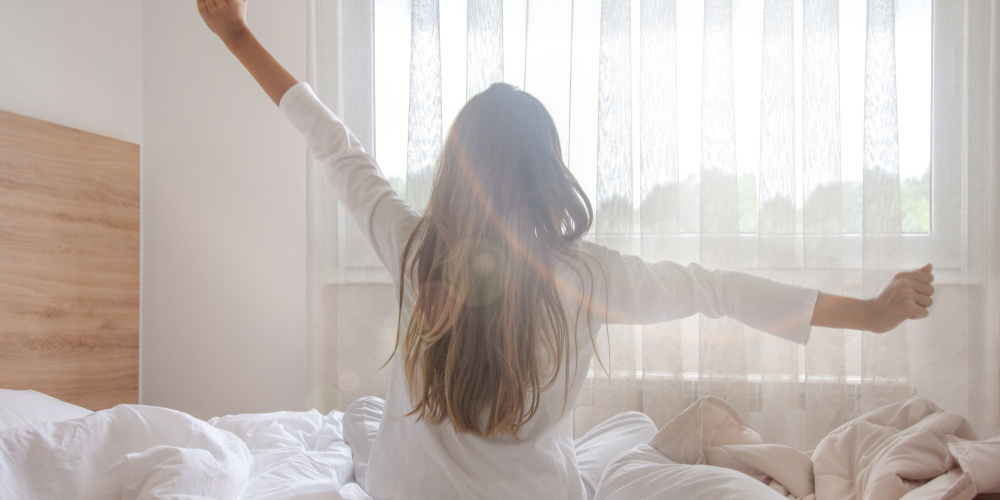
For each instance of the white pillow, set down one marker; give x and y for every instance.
(643, 472)
(19, 408)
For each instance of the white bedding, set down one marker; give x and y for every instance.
(134, 451)
(19, 408)
(910, 450)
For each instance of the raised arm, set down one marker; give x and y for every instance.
(355, 178)
(906, 296)
(227, 19)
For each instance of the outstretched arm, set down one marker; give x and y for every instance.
(906, 296)
(352, 173)
(640, 292)
(227, 19)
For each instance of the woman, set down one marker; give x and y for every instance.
(500, 299)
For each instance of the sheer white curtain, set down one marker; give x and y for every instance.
(820, 142)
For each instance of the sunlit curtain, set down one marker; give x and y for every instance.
(821, 142)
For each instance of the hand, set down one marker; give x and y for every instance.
(906, 296)
(226, 18)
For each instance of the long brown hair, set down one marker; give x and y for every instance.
(488, 333)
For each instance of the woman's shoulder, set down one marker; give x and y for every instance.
(596, 253)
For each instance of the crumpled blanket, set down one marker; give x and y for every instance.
(145, 452)
(911, 450)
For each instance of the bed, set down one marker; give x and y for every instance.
(69, 336)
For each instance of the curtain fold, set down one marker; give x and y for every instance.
(425, 136)
(662, 345)
(766, 138)
(722, 353)
(883, 367)
(777, 241)
(826, 392)
(485, 39)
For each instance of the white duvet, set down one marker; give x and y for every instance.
(150, 452)
(912, 448)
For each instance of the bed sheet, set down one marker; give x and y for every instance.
(135, 451)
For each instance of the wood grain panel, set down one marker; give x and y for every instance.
(69, 263)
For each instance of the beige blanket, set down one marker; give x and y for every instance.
(911, 450)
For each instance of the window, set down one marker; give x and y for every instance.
(554, 50)
(562, 62)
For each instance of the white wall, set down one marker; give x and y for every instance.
(224, 218)
(223, 184)
(78, 64)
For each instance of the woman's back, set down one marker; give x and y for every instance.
(459, 261)
(415, 458)
(488, 331)
(411, 456)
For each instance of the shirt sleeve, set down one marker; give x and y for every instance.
(640, 292)
(384, 218)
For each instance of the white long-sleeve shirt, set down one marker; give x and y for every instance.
(414, 460)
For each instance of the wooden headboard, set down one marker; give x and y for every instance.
(69, 263)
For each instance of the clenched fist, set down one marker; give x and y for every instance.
(906, 296)
(226, 18)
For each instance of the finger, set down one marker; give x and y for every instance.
(923, 300)
(918, 275)
(919, 313)
(923, 288)
(929, 270)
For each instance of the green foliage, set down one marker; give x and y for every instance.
(399, 184)
(614, 215)
(915, 200)
(748, 198)
(854, 205)
(683, 200)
